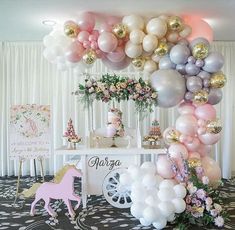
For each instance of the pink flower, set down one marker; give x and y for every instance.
(209, 201)
(188, 199)
(219, 221)
(214, 212)
(205, 180)
(199, 170)
(189, 208)
(198, 203)
(201, 194)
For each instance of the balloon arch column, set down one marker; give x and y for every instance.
(175, 53)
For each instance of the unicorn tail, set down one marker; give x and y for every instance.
(27, 193)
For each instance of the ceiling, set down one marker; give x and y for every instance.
(21, 20)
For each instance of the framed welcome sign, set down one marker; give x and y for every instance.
(30, 132)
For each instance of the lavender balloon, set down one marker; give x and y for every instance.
(188, 96)
(198, 40)
(117, 65)
(199, 63)
(213, 62)
(170, 86)
(204, 75)
(183, 41)
(181, 68)
(215, 96)
(166, 63)
(206, 82)
(179, 54)
(194, 84)
(192, 69)
(191, 59)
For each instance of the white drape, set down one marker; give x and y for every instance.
(26, 77)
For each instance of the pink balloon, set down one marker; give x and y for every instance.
(117, 65)
(177, 151)
(100, 54)
(117, 55)
(164, 167)
(104, 27)
(209, 138)
(86, 44)
(187, 124)
(201, 123)
(74, 52)
(107, 42)
(112, 20)
(95, 33)
(200, 28)
(211, 169)
(192, 147)
(201, 131)
(92, 38)
(86, 21)
(83, 36)
(94, 45)
(186, 108)
(194, 155)
(204, 149)
(205, 112)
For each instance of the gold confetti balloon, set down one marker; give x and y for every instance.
(89, 57)
(200, 97)
(214, 126)
(71, 29)
(162, 49)
(175, 23)
(120, 30)
(171, 136)
(217, 80)
(200, 51)
(194, 162)
(138, 62)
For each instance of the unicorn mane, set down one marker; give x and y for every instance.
(60, 174)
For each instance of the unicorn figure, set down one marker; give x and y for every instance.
(62, 188)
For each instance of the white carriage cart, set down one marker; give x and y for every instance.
(101, 168)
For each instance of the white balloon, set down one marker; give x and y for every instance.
(132, 50)
(160, 223)
(138, 195)
(166, 208)
(150, 200)
(166, 194)
(157, 26)
(150, 43)
(186, 31)
(137, 209)
(137, 36)
(149, 167)
(164, 17)
(135, 173)
(136, 185)
(150, 214)
(150, 66)
(125, 179)
(49, 54)
(48, 41)
(145, 222)
(171, 218)
(179, 205)
(149, 180)
(156, 58)
(180, 191)
(61, 59)
(63, 41)
(172, 37)
(133, 22)
(159, 180)
(166, 184)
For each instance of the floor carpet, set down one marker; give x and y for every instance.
(98, 215)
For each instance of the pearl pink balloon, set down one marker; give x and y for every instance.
(186, 108)
(112, 20)
(86, 21)
(117, 65)
(205, 112)
(187, 124)
(201, 123)
(74, 52)
(211, 169)
(117, 55)
(194, 155)
(104, 27)
(177, 150)
(209, 138)
(203, 150)
(201, 131)
(192, 147)
(83, 36)
(107, 42)
(164, 167)
(94, 45)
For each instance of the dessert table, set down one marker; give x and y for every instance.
(101, 169)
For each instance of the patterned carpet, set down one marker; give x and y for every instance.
(98, 214)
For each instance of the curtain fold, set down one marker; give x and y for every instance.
(26, 78)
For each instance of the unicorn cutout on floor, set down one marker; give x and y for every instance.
(62, 188)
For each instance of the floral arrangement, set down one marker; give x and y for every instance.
(203, 202)
(113, 87)
(70, 134)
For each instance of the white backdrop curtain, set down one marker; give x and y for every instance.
(27, 78)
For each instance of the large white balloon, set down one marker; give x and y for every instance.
(150, 214)
(133, 22)
(149, 180)
(157, 26)
(160, 223)
(136, 36)
(125, 179)
(150, 42)
(166, 194)
(179, 205)
(145, 222)
(132, 50)
(166, 208)
(166, 184)
(180, 191)
(150, 66)
(137, 209)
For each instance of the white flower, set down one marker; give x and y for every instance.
(192, 189)
(88, 84)
(219, 221)
(218, 207)
(91, 90)
(205, 180)
(209, 201)
(208, 207)
(214, 212)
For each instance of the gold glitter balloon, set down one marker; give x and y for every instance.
(214, 126)
(217, 80)
(120, 30)
(175, 23)
(172, 136)
(162, 49)
(200, 51)
(89, 57)
(71, 29)
(138, 62)
(200, 97)
(194, 162)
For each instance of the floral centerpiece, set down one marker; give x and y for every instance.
(203, 203)
(113, 87)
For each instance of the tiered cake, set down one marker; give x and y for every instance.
(115, 126)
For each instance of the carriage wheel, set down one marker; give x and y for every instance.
(115, 193)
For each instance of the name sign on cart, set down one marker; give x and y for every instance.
(29, 131)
